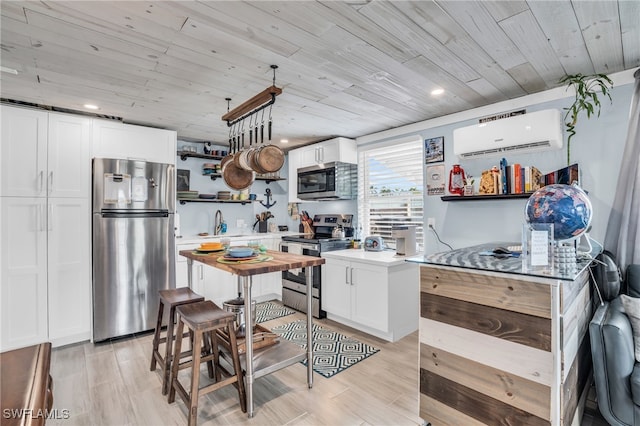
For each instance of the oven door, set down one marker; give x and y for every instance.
(294, 281)
(299, 275)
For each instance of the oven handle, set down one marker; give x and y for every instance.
(312, 247)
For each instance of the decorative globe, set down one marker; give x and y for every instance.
(566, 206)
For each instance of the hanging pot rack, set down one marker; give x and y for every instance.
(257, 103)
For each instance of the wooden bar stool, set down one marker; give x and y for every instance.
(204, 319)
(171, 298)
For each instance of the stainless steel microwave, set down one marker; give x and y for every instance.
(328, 181)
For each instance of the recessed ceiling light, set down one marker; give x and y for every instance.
(284, 140)
(90, 106)
(437, 92)
(8, 70)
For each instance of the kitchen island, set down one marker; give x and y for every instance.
(272, 358)
(501, 346)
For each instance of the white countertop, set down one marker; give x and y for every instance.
(196, 239)
(381, 258)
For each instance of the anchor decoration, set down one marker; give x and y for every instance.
(269, 204)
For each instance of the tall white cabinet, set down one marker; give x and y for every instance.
(45, 246)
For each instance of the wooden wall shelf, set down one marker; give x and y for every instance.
(484, 197)
(186, 154)
(214, 200)
(215, 176)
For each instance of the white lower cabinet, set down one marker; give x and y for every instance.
(209, 282)
(379, 300)
(219, 286)
(46, 271)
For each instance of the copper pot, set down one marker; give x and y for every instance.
(270, 158)
(236, 177)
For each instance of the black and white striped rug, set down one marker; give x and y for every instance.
(272, 309)
(332, 351)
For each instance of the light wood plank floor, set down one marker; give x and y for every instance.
(110, 384)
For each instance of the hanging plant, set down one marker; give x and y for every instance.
(587, 88)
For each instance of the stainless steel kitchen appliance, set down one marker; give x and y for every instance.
(329, 181)
(133, 243)
(294, 289)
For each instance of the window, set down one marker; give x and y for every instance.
(390, 189)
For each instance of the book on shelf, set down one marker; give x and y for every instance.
(510, 179)
(566, 175)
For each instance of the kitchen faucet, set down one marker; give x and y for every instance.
(217, 223)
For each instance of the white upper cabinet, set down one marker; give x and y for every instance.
(68, 156)
(112, 139)
(44, 154)
(338, 149)
(292, 181)
(23, 152)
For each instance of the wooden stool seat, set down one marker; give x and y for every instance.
(204, 320)
(171, 298)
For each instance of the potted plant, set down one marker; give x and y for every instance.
(587, 88)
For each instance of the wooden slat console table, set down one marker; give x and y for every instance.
(266, 360)
(27, 387)
(499, 346)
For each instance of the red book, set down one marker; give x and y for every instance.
(517, 179)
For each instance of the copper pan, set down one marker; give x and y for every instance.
(253, 155)
(270, 158)
(236, 177)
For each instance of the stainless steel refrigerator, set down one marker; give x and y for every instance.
(133, 244)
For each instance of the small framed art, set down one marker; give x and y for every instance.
(435, 180)
(434, 150)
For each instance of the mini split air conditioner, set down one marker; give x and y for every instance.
(535, 131)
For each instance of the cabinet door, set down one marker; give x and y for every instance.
(69, 270)
(370, 298)
(336, 287)
(218, 285)
(182, 269)
(126, 141)
(309, 156)
(69, 160)
(23, 266)
(23, 152)
(341, 149)
(293, 158)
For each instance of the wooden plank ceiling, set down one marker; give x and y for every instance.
(346, 68)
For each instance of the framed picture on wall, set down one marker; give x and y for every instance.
(434, 150)
(182, 180)
(435, 180)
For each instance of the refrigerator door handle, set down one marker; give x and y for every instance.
(133, 214)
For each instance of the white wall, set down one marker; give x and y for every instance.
(597, 147)
(199, 217)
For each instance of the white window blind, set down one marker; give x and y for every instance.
(390, 189)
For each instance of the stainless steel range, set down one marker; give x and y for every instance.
(294, 289)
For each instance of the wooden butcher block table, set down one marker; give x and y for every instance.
(269, 359)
